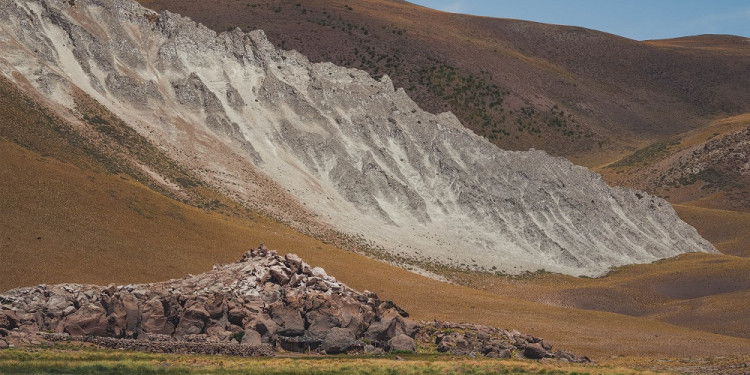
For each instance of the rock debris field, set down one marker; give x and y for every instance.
(258, 306)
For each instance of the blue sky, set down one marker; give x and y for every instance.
(635, 19)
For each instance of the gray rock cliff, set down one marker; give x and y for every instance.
(357, 154)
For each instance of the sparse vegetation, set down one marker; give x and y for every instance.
(645, 155)
(78, 359)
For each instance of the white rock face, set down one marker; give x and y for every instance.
(354, 151)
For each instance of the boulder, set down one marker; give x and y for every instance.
(89, 320)
(251, 337)
(237, 313)
(319, 324)
(153, 319)
(454, 343)
(218, 334)
(338, 340)
(319, 272)
(570, 357)
(402, 342)
(387, 325)
(501, 353)
(193, 321)
(294, 262)
(8, 319)
(117, 318)
(130, 305)
(265, 326)
(3, 344)
(215, 306)
(280, 274)
(288, 319)
(56, 304)
(534, 351)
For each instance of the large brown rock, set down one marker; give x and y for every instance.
(500, 353)
(388, 325)
(215, 306)
(153, 319)
(454, 343)
(288, 319)
(251, 337)
(265, 326)
(193, 320)
(8, 319)
(294, 262)
(132, 313)
(89, 320)
(117, 320)
(338, 340)
(402, 343)
(218, 334)
(534, 351)
(56, 304)
(320, 323)
(280, 274)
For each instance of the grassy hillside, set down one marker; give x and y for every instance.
(727, 230)
(692, 290)
(72, 221)
(573, 92)
(74, 225)
(633, 111)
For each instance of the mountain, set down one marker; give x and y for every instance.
(592, 97)
(326, 148)
(573, 92)
(705, 173)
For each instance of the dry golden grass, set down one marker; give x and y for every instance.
(729, 231)
(718, 44)
(98, 228)
(65, 222)
(702, 291)
(535, 65)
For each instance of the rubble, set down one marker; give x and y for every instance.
(261, 304)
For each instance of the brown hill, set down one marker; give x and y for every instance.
(592, 97)
(571, 91)
(711, 43)
(76, 210)
(69, 219)
(705, 173)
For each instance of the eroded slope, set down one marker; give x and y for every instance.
(355, 152)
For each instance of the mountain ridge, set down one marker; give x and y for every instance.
(574, 92)
(356, 152)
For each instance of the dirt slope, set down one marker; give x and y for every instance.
(83, 224)
(234, 114)
(573, 92)
(71, 248)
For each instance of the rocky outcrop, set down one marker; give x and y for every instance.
(264, 302)
(349, 152)
(480, 340)
(264, 299)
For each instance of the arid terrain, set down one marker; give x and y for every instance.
(626, 109)
(574, 92)
(174, 239)
(84, 197)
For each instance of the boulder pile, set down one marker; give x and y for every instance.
(264, 298)
(263, 303)
(481, 340)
